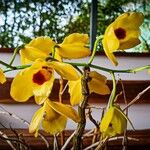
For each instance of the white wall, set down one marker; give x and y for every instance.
(139, 114)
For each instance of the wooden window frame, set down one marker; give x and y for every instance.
(140, 141)
(132, 88)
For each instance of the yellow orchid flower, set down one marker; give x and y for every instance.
(53, 116)
(122, 34)
(73, 46)
(97, 84)
(2, 77)
(113, 123)
(38, 80)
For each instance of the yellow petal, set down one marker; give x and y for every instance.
(57, 56)
(38, 81)
(75, 90)
(21, 87)
(111, 41)
(96, 75)
(113, 123)
(119, 122)
(39, 47)
(130, 43)
(36, 120)
(64, 110)
(131, 39)
(109, 54)
(43, 91)
(74, 46)
(106, 119)
(24, 59)
(44, 43)
(2, 77)
(98, 83)
(24, 82)
(76, 38)
(65, 70)
(42, 80)
(130, 20)
(53, 122)
(55, 126)
(32, 53)
(73, 51)
(38, 63)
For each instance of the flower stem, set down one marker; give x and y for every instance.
(77, 141)
(7, 65)
(140, 69)
(111, 70)
(54, 51)
(113, 93)
(120, 71)
(15, 68)
(15, 53)
(95, 49)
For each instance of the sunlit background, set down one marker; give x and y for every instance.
(22, 20)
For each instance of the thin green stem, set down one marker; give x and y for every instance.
(95, 49)
(15, 53)
(7, 65)
(16, 68)
(140, 69)
(120, 71)
(113, 94)
(54, 51)
(77, 64)
(111, 70)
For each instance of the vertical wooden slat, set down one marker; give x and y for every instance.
(93, 23)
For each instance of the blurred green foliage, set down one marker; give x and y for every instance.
(21, 20)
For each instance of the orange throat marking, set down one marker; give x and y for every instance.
(42, 75)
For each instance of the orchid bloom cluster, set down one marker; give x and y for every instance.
(39, 79)
(42, 58)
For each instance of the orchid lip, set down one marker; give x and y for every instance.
(42, 75)
(120, 33)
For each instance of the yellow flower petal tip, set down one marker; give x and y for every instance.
(113, 123)
(2, 77)
(65, 110)
(74, 46)
(51, 121)
(75, 97)
(39, 47)
(53, 117)
(122, 34)
(97, 84)
(65, 70)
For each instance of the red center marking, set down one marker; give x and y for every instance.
(120, 33)
(39, 78)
